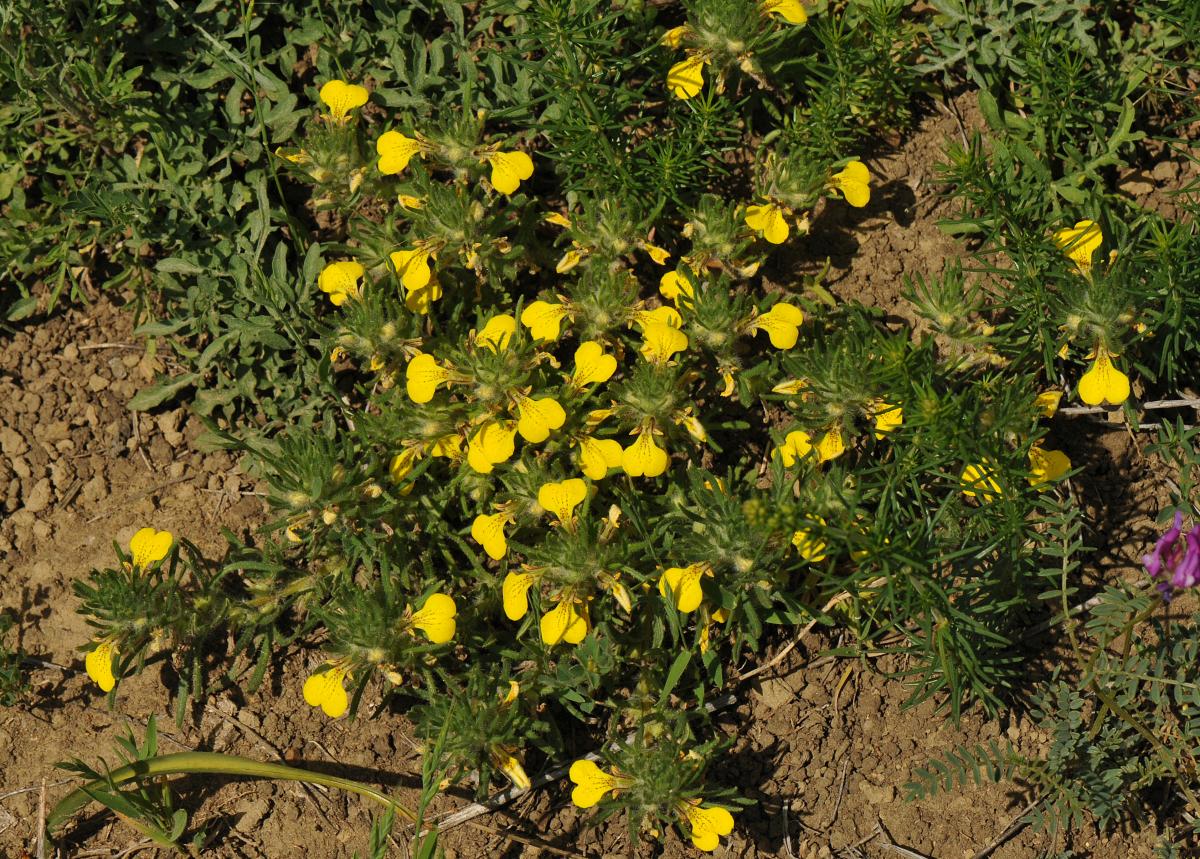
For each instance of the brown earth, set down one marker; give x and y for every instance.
(823, 748)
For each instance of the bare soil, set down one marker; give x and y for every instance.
(822, 747)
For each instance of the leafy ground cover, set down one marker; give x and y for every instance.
(587, 357)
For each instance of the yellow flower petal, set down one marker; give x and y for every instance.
(686, 78)
(791, 11)
(341, 98)
(708, 825)
(340, 280)
(149, 546)
(565, 622)
(99, 664)
(660, 341)
(1047, 402)
(423, 375)
(682, 586)
(325, 690)
(797, 445)
(979, 481)
(676, 287)
(558, 219)
(658, 316)
(516, 594)
(510, 765)
(598, 455)
(408, 201)
(659, 255)
(497, 332)
(831, 445)
(569, 260)
(562, 498)
(592, 364)
(644, 458)
(436, 618)
(536, 418)
(673, 38)
(491, 445)
(488, 531)
(412, 265)
(782, 324)
(419, 300)
(1081, 242)
(1103, 382)
(591, 783)
(812, 548)
(395, 151)
(769, 221)
(854, 181)
(1046, 466)
(447, 447)
(543, 319)
(509, 169)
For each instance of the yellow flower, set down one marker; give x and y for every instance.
(674, 37)
(811, 548)
(149, 547)
(326, 690)
(659, 255)
(658, 316)
(408, 201)
(403, 463)
(419, 300)
(782, 324)
(543, 319)
(562, 498)
(979, 481)
(644, 458)
(887, 418)
(730, 387)
(536, 418)
(598, 455)
(797, 445)
(854, 182)
(707, 824)
(99, 664)
(488, 531)
(660, 341)
(676, 287)
(395, 151)
(497, 332)
(1103, 381)
(1046, 466)
(791, 11)
(436, 618)
(1047, 403)
(510, 765)
(682, 586)
(691, 423)
(1080, 242)
(423, 376)
(567, 621)
(558, 219)
(341, 98)
(592, 365)
(569, 260)
(592, 783)
(491, 445)
(831, 445)
(509, 169)
(770, 221)
(412, 264)
(515, 590)
(448, 446)
(686, 78)
(340, 281)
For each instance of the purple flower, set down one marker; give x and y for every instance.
(1178, 559)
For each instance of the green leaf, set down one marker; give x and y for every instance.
(175, 265)
(159, 393)
(673, 675)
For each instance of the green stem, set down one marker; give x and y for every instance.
(211, 762)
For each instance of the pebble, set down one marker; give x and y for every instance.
(39, 497)
(97, 383)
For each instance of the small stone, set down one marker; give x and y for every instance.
(176, 470)
(56, 431)
(42, 530)
(38, 498)
(94, 490)
(97, 383)
(117, 367)
(168, 425)
(12, 442)
(252, 815)
(878, 794)
(70, 352)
